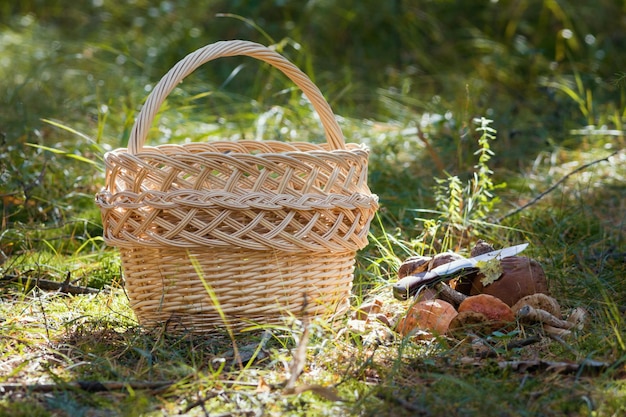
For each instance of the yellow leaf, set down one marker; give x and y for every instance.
(491, 271)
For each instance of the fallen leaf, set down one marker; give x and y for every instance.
(262, 386)
(491, 271)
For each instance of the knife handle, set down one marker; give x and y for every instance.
(409, 285)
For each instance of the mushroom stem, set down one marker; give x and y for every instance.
(449, 294)
(536, 315)
(556, 331)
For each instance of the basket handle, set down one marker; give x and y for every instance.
(188, 64)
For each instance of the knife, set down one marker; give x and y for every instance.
(410, 285)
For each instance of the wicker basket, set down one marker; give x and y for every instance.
(236, 233)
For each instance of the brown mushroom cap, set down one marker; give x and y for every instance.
(413, 265)
(540, 301)
(520, 277)
(430, 315)
(426, 293)
(481, 247)
(443, 258)
(469, 321)
(493, 308)
(461, 285)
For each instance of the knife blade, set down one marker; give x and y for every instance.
(410, 285)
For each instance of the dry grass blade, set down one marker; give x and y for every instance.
(299, 356)
(298, 363)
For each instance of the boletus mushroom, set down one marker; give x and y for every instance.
(496, 312)
(469, 321)
(540, 301)
(433, 316)
(520, 277)
(414, 265)
(462, 285)
(443, 258)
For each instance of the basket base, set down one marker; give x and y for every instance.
(202, 289)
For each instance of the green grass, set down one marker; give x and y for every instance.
(407, 80)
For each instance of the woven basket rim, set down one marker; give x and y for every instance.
(246, 200)
(173, 149)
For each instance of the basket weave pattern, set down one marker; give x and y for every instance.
(257, 224)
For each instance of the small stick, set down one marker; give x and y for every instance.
(514, 344)
(431, 151)
(483, 350)
(49, 285)
(449, 294)
(553, 186)
(299, 356)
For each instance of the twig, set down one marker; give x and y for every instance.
(299, 356)
(557, 337)
(553, 186)
(89, 386)
(224, 396)
(515, 344)
(65, 285)
(201, 401)
(449, 294)
(431, 151)
(49, 285)
(45, 318)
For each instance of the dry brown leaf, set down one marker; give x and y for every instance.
(262, 386)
